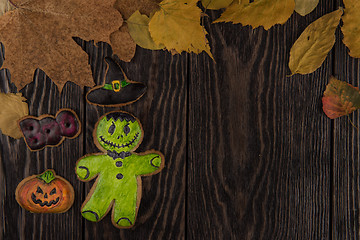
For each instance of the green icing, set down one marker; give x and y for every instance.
(47, 176)
(123, 83)
(108, 86)
(116, 176)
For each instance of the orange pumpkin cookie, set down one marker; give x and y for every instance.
(45, 193)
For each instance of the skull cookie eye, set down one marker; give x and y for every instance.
(126, 129)
(39, 190)
(53, 191)
(112, 128)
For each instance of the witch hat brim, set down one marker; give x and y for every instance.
(117, 91)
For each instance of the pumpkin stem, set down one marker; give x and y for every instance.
(47, 176)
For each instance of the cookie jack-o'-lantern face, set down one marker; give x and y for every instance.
(119, 131)
(45, 193)
(45, 198)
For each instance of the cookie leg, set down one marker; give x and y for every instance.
(124, 212)
(96, 208)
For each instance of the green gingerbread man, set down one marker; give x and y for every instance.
(118, 169)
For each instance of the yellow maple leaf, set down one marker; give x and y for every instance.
(139, 31)
(264, 13)
(311, 48)
(351, 27)
(13, 107)
(216, 4)
(177, 26)
(304, 7)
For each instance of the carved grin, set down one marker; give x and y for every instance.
(45, 203)
(118, 145)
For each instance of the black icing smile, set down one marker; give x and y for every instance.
(41, 203)
(118, 145)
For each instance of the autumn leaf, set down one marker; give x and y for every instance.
(177, 26)
(340, 98)
(216, 4)
(311, 48)
(5, 6)
(13, 107)
(264, 13)
(143, 6)
(38, 34)
(122, 43)
(304, 7)
(139, 31)
(351, 27)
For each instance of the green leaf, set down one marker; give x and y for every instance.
(138, 25)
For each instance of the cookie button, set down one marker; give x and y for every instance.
(119, 176)
(119, 163)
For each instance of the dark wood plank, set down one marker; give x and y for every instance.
(259, 145)
(346, 178)
(162, 112)
(19, 162)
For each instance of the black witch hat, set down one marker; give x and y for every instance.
(118, 90)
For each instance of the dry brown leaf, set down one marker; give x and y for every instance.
(139, 30)
(351, 27)
(311, 48)
(304, 7)
(216, 4)
(264, 13)
(144, 6)
(122, 43)
(5, 6)
(38, 34)
(177, 26)
(13, 107)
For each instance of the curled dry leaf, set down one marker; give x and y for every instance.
(311, 48)
(340, 98)
(264, 13)
(13, 107)
(5, 6)
(38, 34)
(122, 43)
(177, 26)
(216, 4)
(139, 31)
(351, 27)
(304, 7)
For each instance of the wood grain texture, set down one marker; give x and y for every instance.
(346, 153)
(19, 162)
(259, 145)
(162, 112)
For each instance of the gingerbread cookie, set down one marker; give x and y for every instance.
(118, 90)
(118, 169)
(45, 193)
(48, 130)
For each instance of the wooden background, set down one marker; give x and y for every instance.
(249, 152)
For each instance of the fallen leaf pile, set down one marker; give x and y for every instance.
(13, 107)
(340, 99)
(173, 25)
(311, 48)
(38, 34)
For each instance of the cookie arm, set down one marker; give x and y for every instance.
(88, 167)
(149, 163)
